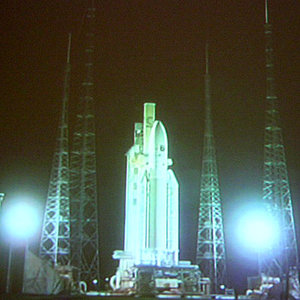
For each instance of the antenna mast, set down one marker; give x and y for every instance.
(84, 198)
(55, 240)
(276, 191)
(210, 254)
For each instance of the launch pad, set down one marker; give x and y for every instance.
(151, 280)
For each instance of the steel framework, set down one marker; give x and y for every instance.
(55, 239)
(276, 191)
(84, 207)
(210, 254)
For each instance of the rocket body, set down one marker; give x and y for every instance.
(151, 214)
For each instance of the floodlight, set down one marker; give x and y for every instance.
(258, 230)
(20, 221)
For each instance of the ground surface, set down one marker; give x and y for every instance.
(84, 297)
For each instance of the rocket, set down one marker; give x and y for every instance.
(151, 213)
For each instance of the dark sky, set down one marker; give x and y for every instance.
(151, 51)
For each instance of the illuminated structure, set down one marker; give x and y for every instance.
(55, 239)
(83, 187)
(2, 195)
(151, 220)
(210, 254)
(276, 192)
(149, 263)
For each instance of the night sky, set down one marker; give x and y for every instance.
(151, 51)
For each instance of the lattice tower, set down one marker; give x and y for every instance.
(276, 191)
(84, 207)
(210, 254)
(55, 239)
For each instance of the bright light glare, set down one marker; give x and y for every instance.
(258, 230)
(20, 221)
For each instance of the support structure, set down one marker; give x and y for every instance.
(55, 239)
(276, 191)
(210, 254)
(84, 207)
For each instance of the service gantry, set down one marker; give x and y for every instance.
(83, 181)
(55, 238)
(210, 254)
(276, 191)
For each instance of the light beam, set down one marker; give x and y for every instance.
(258, 230)
(20, 221)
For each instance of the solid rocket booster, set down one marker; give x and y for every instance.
(158, 214)
(151, 213)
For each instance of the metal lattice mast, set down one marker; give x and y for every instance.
(55, 239)
(276, 191)
(84, 208)
(210, 255)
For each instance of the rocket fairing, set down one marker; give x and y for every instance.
(151, 213)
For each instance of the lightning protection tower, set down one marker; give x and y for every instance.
(276, 191)
(210, 254)
(84, 208)
(55, 239)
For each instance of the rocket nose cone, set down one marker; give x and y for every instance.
(159, 139)
(161, 135)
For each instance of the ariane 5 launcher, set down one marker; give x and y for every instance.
(151, 215)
